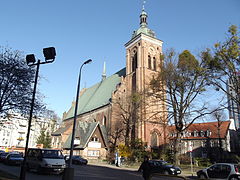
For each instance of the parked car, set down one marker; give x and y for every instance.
(45, 160)
(220, 171)
(77, 160)
(163, 167)
(14, 159)
(3, 156)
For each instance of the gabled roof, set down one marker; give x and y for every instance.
(84, 132)
(61, 130)
(98, 95)
(212, 127)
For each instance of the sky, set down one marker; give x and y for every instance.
(98, 29)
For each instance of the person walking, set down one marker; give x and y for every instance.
(145, 169)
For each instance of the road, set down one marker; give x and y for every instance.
(89, 172)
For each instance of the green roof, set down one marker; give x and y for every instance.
(98, 95)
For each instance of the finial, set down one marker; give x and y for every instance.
(144, 2)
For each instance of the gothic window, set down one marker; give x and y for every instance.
(154, 64)
(149, 62)
(154, 139)
(134, 61)
(104, 121)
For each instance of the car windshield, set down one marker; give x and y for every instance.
(53, 154)
(16, 155)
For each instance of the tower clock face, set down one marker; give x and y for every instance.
(152, 51)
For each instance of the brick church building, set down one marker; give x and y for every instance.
(105, 111)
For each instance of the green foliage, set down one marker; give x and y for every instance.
(187, 62)
(44, 139)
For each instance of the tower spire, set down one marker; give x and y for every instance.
(143, 16)
(104, 71)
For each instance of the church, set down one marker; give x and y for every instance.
(117, 109)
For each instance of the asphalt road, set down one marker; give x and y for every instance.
(89, 172)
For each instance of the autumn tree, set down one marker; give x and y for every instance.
(223, 62)
(181, 85)
(16, 79)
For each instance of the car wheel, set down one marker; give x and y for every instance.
(39, 170)
(233, 178)
(202, 176)
(165, 173)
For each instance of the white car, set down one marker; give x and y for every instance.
(226, 171)
(45, 160)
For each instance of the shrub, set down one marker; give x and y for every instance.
(184, 159)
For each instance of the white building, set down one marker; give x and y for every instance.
(13, 130)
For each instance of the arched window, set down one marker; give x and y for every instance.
(134, 61)
(154, 139)
(104, 121)
(149, 62)
(154, 64)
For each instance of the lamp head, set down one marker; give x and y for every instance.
(88, 61)
(49, 53)
(30, 58)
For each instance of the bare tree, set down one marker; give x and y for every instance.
(181, 85)
(16, 80)
(126, 112)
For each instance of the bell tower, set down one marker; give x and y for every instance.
(143, 59)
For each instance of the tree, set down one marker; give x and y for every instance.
(219, 116)
(126, 112)
(223, 62)
(16, 79)
(44, 139)
(181, 85)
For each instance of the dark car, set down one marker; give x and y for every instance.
(163, 167)
(77, 160)
(14, 159)
(220, 171)
(3, 156)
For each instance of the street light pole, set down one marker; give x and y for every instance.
(49, 53)
(69, 172)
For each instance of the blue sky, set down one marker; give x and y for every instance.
(98, 29)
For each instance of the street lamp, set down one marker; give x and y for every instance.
(69, 172)
(49, 54)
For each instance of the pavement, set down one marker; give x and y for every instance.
(185, 173)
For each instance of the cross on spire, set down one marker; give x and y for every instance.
(144, 2)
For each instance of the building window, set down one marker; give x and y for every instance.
(154, 139)
(154, 64)
(149, 62)
(94, 153)
(104, 121)
(94, 139)
(134, 62)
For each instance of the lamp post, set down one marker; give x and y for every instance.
(69, 172)
(49, 54)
